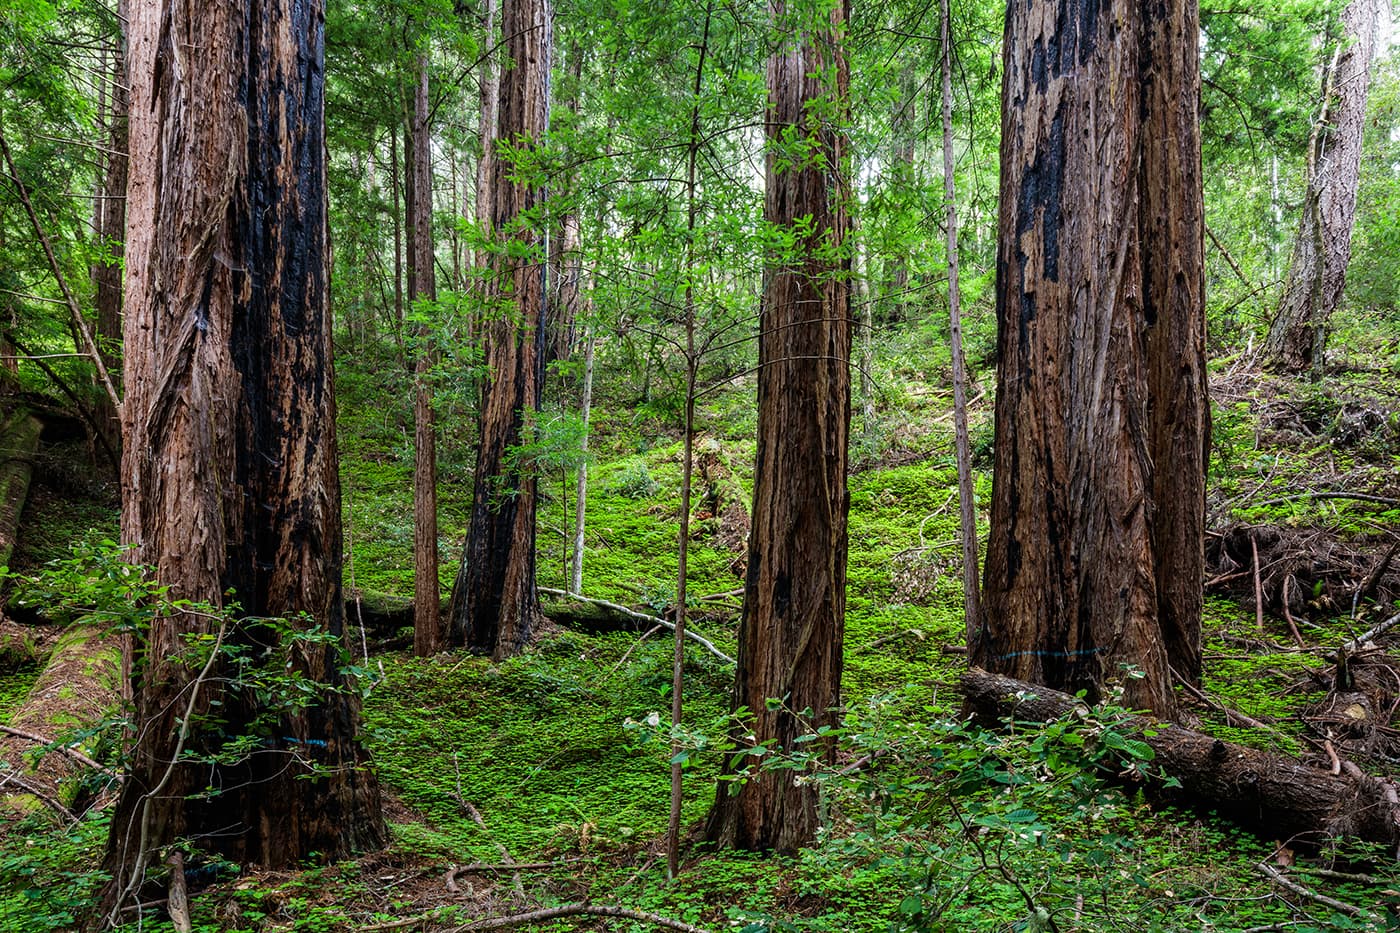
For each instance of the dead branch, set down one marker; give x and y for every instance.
(576, 910)
(48, 799)
(68, 750)
(636, 616)
(1283, 881)
(1374, 632)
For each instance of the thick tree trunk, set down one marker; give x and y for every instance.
(1171, 225)
(429, 634)
(229, 477)
(1322, 248)
(1095, 98)
(1276, 796)
(494, 603)
(790, 636)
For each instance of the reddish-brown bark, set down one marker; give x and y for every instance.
(229, 476)
(790, 636)
(1100, 402)
(494, 603)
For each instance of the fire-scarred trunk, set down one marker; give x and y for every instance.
(1094, 554)
(229, 475)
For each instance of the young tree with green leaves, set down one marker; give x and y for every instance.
(1322, 247)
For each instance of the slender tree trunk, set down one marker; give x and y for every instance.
(967, 496)
(494, 603)
(429, 635)
(486, 165)
(581, 477)
(395, 197)
(229, 476)
(902, 169)
(110, 221)
(692, 366)
(1094, 99)
(1322, 248)
(861, 262)
(790, 635)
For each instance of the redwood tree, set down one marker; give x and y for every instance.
(1094, 555)
(229, 476)
(494, 603)
(790, 635)
(428, 633)
(1317, 268)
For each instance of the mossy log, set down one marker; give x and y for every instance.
(19, 441)
(1279, 797)
(78, 687)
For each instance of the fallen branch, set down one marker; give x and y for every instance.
(893, 636)
(1354, 496)
(62, 749)
(49, 800)
(1283, 881)
(1274, 794)
(1232, 717)
(636, 616)
(576, 910)
(1374, 632)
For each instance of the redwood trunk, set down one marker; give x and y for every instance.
(1172, 227)
(429, 635)
(494, 603)
(790, 636)
(229, 475)
(109, 214)
(1098, 305)
(1317, 269)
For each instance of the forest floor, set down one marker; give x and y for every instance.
(543, 780)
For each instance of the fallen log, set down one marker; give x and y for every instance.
(1277, 796)
(74, 692)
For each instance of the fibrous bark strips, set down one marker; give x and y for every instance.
(790, 637)
(1095, 550)
(230, 485)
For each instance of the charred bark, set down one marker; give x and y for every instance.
(229, 477)
(1099, 101)
(494, 604)
(790, 636)
(1322, 248)
(1276, 796)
